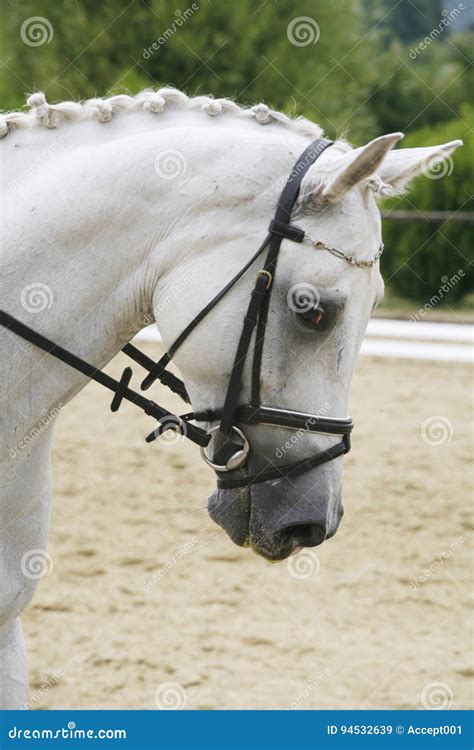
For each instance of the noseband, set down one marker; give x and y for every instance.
(233, 446)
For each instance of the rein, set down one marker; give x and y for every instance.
(233, 447)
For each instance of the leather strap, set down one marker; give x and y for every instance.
(289, 231)
(286, 202)
(119, 388)
(257, 312)
(166, 358)
(166, 378)
(288, 470)
(279, 418)
(250, 321)
(255, 318)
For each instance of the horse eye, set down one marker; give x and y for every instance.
(315, 316)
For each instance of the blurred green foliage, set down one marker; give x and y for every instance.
(419, 255)
(357, 77)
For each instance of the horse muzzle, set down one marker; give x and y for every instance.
(278, 517)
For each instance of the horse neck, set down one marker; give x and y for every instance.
(103, 206)
(100, 226)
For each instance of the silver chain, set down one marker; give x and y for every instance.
(318, 245)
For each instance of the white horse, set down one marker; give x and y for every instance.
(112, 205)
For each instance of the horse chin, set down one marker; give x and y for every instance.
(230, 509)
(277, 519)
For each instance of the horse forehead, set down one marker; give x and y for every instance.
(357, 210)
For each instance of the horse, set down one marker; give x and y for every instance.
(111, 206)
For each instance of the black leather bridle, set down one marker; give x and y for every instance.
(233, 446)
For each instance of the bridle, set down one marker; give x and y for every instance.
(233, 446)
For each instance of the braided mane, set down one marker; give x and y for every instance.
(41, 114)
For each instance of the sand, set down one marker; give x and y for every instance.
(145, 590)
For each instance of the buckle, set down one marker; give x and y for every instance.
(268, 276)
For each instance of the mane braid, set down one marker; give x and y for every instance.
(41, 114)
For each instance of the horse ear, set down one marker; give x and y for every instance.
(399, 167)
(357, 165)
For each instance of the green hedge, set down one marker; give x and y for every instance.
(420, 256)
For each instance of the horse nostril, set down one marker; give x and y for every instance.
(306, 535)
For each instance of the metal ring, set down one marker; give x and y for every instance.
(236, 460)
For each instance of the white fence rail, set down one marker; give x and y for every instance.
(448, 342)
